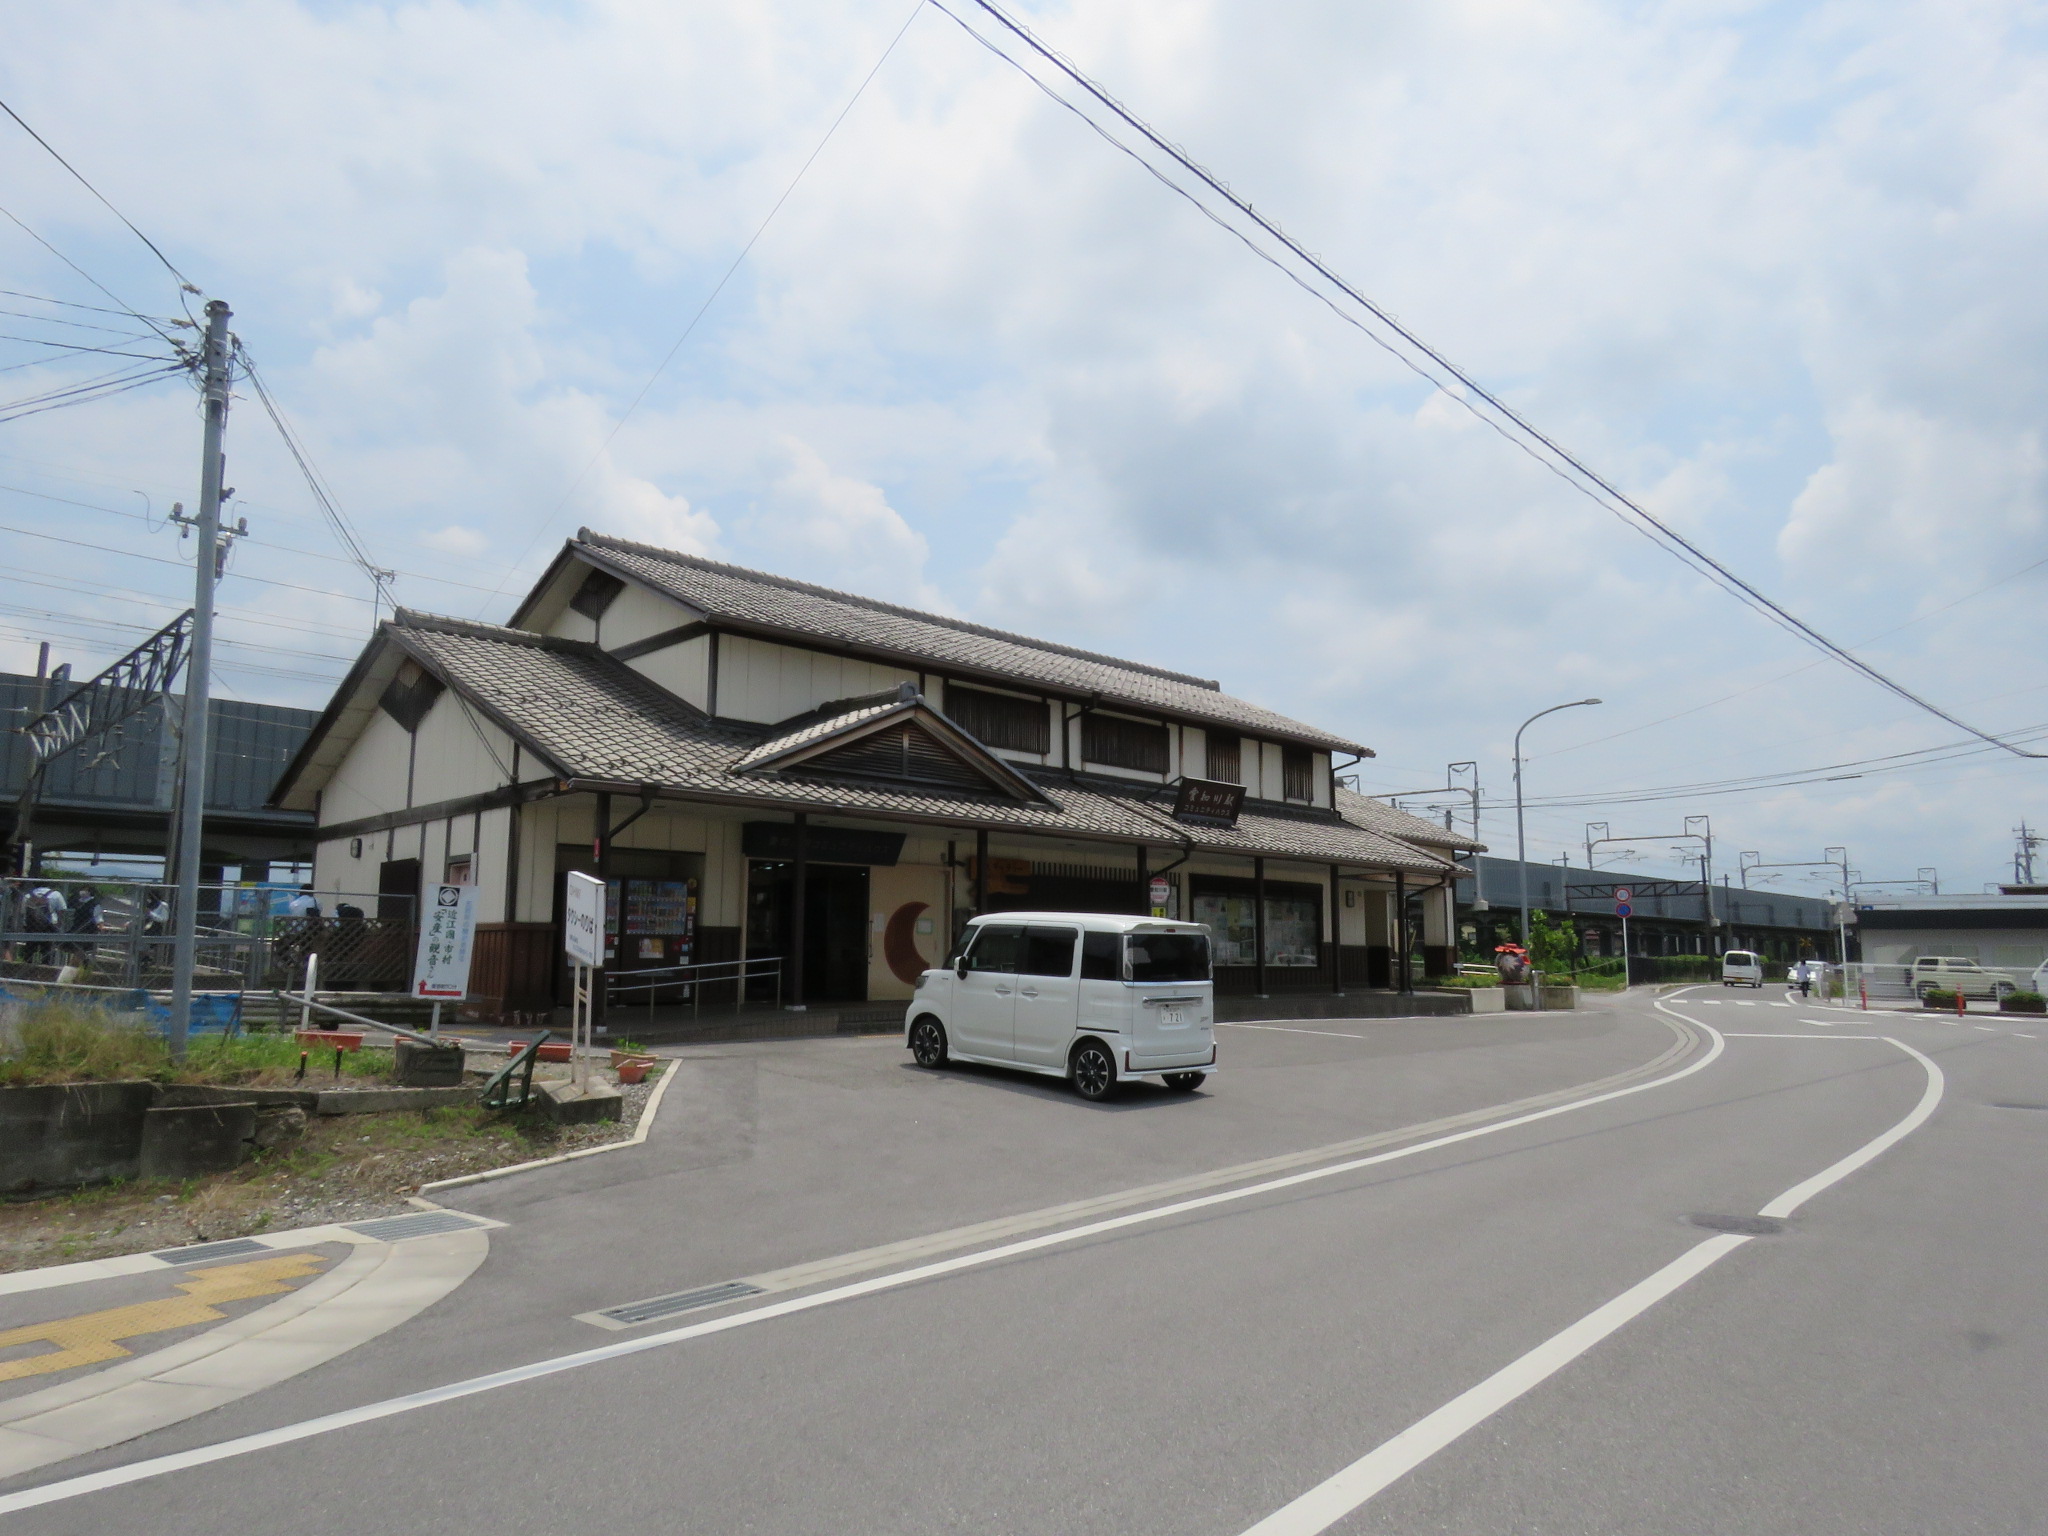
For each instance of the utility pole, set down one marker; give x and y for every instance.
(194, 754)
(2023, 855)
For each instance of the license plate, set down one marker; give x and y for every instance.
(1173, 1016)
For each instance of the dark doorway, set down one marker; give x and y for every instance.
(398, 890)
(835, 927)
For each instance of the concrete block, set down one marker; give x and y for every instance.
(1522, 998)
(563, 1104)
(1560, 997)
(427, 1066)
(182, 1143)
(1489, 1000)
(68, 1134)
(376, 1101)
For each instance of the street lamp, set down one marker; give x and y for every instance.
(1521, 841)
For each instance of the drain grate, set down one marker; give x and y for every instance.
(1747, 1226)
(201, 1253)
(393, 1229)
(682, 1301)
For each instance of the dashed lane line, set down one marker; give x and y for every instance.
(1338, 1496)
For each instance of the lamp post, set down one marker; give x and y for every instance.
(1521, 841)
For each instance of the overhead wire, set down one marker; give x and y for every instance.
(154, 250)
(1426, 361)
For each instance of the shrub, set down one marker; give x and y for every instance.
(2023, 1002)
(1935, 997)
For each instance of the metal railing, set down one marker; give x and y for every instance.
(692, 980)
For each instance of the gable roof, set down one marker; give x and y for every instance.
(594, 723)
(1384, 818)
(841, 745)
(775, 606)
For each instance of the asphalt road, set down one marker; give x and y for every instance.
(1510, 1330)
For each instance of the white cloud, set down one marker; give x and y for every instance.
(1774, 269)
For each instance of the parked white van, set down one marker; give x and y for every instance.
(1095, 999)
(1742, 968)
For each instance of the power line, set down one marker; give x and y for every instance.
(337, 520)
(1421, 358)
(84, 394)
(126, 308)
(120, 592)
(712, 297)
(183, 280)
(130, 554)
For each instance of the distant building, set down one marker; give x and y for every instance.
(1669, 916)
(116, 798)
(2004, 930)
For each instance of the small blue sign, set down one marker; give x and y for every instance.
(1623, 909)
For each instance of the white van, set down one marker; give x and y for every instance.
(1092, 998)
(1742, 968)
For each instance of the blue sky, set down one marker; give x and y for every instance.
(1774, 268)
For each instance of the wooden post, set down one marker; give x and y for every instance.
(1336, 939)
(1402, 977)
(1259, 926)
(799, 889)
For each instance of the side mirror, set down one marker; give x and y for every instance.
(960, 968)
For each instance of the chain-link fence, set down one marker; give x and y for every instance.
(250, 936)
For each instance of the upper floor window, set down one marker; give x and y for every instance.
(1297, 773)
(1226, 761)
(999, 719)
(1120, 743)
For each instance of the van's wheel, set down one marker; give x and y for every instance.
(1183, 1082)
(928, 1042)
(1092, 1070)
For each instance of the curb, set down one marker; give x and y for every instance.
(640, 1129)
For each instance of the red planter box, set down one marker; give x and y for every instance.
(553, 1050)
(330, 1039)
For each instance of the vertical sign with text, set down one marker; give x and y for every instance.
(447, 934)
(583, 919)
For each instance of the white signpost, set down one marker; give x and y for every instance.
(440, 968)
(583, 939)
(1161, 893)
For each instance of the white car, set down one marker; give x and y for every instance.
(1741, 968)
(1954, 973)
(1093, 998)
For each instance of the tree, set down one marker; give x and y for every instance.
(1553, 944)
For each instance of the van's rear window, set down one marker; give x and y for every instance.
(1167, 957)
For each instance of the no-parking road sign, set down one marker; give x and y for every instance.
(1621, 902)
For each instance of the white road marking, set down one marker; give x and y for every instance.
(1758, 1034)
(307, 1429)
(1708, 1002)
(1985, 1027)
(1745, 1005)
(1330, 1501)
(1282, 1029)
(1823, 1023)
(1781, 1005)
(2027, 1037)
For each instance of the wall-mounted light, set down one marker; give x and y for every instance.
(355, 847)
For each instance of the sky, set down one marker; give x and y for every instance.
(1774, 269)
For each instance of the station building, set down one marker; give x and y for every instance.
(765, 768)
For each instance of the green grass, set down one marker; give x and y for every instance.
(62, 1041)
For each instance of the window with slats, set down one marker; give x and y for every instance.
(999, 720)
(1119, 743)
(1226, 758)
(1297, 773)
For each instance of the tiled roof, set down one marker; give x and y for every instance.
(594, 718)
(931, 640)
(1384, 818)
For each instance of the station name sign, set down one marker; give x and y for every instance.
(1208, 802)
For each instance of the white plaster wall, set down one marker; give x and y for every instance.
(488, 872)
(335, 871)
(637, 613)
(759, 680)
(1264, 756)
(371, 779)
(683, 670)
(1319, 779)
(460, 753)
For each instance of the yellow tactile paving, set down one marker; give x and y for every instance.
(92, 1337)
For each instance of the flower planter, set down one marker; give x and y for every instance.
(633, 1069)
(552, 1050)
(330, 1039)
